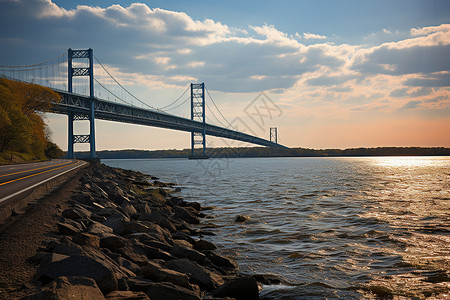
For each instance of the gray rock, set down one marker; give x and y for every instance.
(114, 242)
(67, 229)
(81, 266)
(221, 261)
(168, 291)
(127, 295)
(240, 288)
(158, 273)
(183, 252)
(116, 222)
(86, 239)
(100, 230)
(187, 214)
(71, 287)
(197, 273)
(242, 219)
(202, 245)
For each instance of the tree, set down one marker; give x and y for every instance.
(22, 128)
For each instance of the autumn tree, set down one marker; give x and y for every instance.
(22, 128)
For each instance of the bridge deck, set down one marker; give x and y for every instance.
(111, 111)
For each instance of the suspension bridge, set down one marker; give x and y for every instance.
(102, 96)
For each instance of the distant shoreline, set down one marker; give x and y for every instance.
(270, 152)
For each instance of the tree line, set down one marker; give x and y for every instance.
(229, 152)
(23, 132)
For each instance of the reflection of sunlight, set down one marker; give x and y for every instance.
(408, 161)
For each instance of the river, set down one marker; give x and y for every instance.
(352, 228)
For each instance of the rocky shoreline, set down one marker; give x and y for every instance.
(125, 236)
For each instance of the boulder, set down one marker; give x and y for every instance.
(78, 265)
(240, 288)
(202, 245)
(48, 258)
(116, 222)
(241, 219)
(70, 287)
(114, 242)
(100, 230)
(86, 239)
(67, 229)
(158, 273)
(183, 252)
(221, 261)
(75, 213)
(187, 214)
(127, 295)
(139, 284)
(168, 291)
(197, 273)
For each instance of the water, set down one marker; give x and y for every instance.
(347, 228)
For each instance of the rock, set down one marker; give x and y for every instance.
(187, 214)
(159, 216)
(114, 242)
(100, 230)
(78, 265)
(134, 253)
(156, 244)
(48, 258)
(182, 243)
(183, 252)
(240, 288)
(127, 295)
(86, 239)
(197, 273)
(123, 262)
(156, 253)
(116, 222)
(202, 245)
(67, 229)
(157, 273)
(128, 208)
(221, 261)
(269, 279)
(71, 287)
(154, 230)
(194, 205)
(139, 284)
(168, 291)
(77, 212)
(242, 219)
(180, 235)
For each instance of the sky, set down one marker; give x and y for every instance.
(327, 74)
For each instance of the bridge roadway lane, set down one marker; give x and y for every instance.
(15, 179)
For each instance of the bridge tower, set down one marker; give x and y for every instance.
(198, 114)
(73, 72)
(274, 135)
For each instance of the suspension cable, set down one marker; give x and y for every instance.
(164, 107)
(219, 111)
(115, 80)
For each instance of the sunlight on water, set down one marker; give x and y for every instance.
(349, 228)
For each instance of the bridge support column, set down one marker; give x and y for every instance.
(70, 154)
(89, 71)
(198, 114)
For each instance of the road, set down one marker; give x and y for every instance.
(16, 179)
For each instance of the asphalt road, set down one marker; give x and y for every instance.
(15, 179)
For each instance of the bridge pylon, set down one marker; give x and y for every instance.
(74, 72)
(198, 114)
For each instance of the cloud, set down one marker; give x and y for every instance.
(313, 36)
(168, 47)
(431, 80)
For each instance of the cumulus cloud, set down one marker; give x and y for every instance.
(170, 47)
(313, 36)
